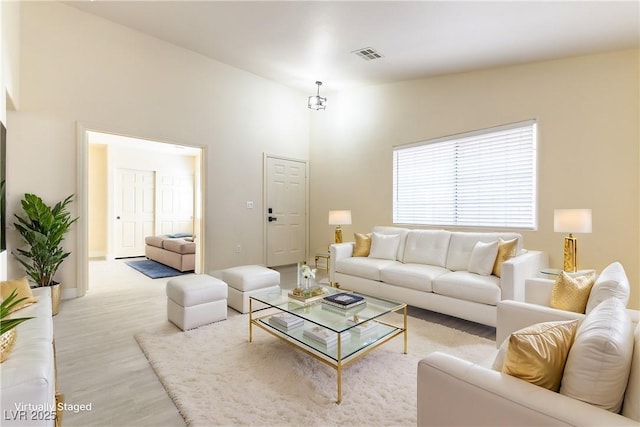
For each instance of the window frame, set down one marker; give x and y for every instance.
(457, 140)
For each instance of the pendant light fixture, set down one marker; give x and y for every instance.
(317, 102)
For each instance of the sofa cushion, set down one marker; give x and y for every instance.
(507, 249)
(362, 246)
(571, 293)
(482, 258)
(631, 404)
(612, 282)
(41, 326)
(365, 267)
(179, 246)
(154, 241)
(427, 247)
(462, 243)
(384, 246)
(537, 354)
(402, 232)
(23, 290)
(599, 361)
(412, 276)
(468, 286)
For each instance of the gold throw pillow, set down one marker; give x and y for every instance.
(363, 244)
(506, 250)
(572, 293)
(537, 354)
(23, 291)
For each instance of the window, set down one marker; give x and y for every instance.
(485, 178)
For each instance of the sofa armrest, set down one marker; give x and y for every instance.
(515, 315)
(517, 269)
(452, 391)
(538, 291)
(338, 251)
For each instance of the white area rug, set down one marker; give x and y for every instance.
(217, 378)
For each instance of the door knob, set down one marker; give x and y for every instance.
(271, 219)
(117, 217)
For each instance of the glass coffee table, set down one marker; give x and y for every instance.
(351, 333)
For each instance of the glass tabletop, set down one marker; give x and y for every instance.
(335, 319)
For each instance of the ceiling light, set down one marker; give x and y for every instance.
(317, 102)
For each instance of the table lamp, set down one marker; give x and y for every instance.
(571, 221)
(339, 218)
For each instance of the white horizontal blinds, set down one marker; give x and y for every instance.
(482, 179)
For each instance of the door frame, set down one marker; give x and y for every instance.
(82, 197)
(265, 171)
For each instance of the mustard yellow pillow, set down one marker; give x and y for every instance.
(572, 293)
(22, 288)
(537, 354)
(506, 250)
(363, 244)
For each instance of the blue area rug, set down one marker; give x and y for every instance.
(154, 270)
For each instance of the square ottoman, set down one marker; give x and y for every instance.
(195, 300)
(247, 280)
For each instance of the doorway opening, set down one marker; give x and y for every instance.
(130, 188)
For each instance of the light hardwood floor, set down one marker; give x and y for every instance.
(100, 363)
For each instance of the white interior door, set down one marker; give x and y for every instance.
(135, 211)
(175, 204)
(286, 202)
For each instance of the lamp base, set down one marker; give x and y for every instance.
(338, 234)
(570, 263)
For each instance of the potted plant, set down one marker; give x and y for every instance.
(7, 331)
(43, 228)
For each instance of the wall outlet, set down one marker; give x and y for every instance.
(249, 204)
(238, 249)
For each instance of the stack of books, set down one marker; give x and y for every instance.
(363, 330)
(325, 337)
(286, 321)
(344, 300)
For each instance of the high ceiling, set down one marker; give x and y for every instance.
(299, 42)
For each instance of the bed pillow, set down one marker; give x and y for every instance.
(538, 353)
(571, 293)
(363, 244)
(483, 257)
(21, 286)
(384, 246)
(612, 282)
(507, 249)
(599, 362)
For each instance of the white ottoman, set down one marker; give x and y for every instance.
(248, 280)
(195, 300)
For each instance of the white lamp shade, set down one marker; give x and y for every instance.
(339, 217)
(572, 220)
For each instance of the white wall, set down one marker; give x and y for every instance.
(587, 110)
(79, 68)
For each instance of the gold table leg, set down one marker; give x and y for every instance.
(405, 329)
(250, 320)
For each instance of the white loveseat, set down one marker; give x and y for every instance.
(430, 270)
(452, 391)
(27, 377)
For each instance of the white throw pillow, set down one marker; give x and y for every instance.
(384, 246)
(612, 282)
(482, 258)
(597, 368)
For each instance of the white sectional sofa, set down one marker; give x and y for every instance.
(429, 269)
(27, 377)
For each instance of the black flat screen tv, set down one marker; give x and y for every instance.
(3, 181)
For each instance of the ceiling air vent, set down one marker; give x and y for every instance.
(368, 53)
